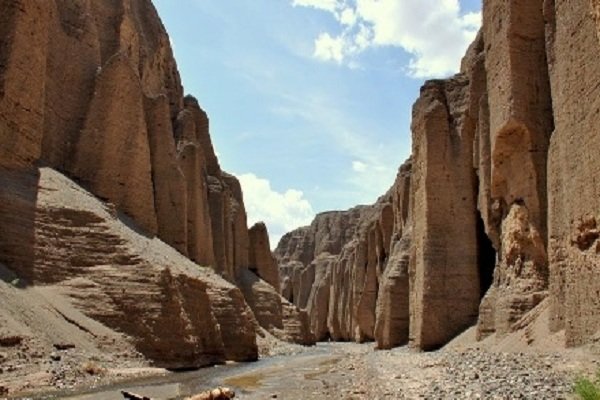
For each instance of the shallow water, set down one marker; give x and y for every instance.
(281, 375)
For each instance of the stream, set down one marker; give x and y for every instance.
(289, 377)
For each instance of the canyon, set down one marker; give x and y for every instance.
(121, 235)
(124, 243)
(492, 222)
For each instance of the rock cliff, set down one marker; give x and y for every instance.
(497, 209)
(104, 164)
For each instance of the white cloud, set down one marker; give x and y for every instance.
(347, 17)
(434, 32)
(359, 166)
(328, 48)
(327, 5)
(281, 212)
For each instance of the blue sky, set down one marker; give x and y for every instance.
(310, 100)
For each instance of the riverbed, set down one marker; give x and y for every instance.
(357, 371)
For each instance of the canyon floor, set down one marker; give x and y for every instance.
(356, 371)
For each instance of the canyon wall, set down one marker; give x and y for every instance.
(336, 268)
(91, 103)
(495, 212)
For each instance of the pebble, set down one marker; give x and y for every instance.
(498, 376)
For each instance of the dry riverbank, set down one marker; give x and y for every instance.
(355, 371)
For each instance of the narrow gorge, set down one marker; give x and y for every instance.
(123, 240)
(121, 235)
(493, 220)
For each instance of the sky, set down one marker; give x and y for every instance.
(310, 100)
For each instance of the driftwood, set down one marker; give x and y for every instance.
(215, 394)
(133, 396)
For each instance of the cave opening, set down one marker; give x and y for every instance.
(486, 258)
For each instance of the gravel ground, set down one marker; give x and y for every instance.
(355, 371)
(472, 374)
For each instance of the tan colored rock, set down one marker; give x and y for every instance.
(301, 279)
(189, 317)
(74, 37)
(339, 291)
(392, 312)
(503, 200)
(573, 167)
(392, 309)
(114, 166)
(274, 313)
(261, 260)
(297, 245)
(444, 280)
(296, 325)
(320, 296)
(170, 188)
(520, 124)
(237, 224)
(192, 162)
(264, 301)
(520, 105)
(236, 322)
(521, 278)
(23, 44)
(328, 233)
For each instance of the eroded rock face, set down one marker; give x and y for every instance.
(273, 312)
(91, 89)
(503, 200)
(121, 77)
(177, 314)
(339, 285)
(261, 259)
(573, 202)
(444, 208)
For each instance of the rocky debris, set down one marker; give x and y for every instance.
(483, 375)
(352, 371)
(471, 374)
(10, 341)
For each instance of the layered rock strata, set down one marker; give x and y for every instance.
(89, 90)
(177, 314)
(499, 207)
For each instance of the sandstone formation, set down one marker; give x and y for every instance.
(497, 209)
(261, 260)
(177, 314)
(573, 41)
(339, 287)
(91, 104)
